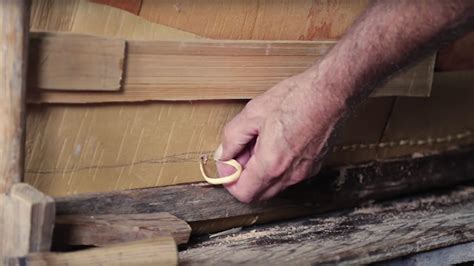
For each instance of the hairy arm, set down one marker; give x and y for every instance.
(280, 136)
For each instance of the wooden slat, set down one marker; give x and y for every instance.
(204, 70)
(365, 235)
(332, 189)
(74, 62)
(156, 251)
(99, 230)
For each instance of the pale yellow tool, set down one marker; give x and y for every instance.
(221, 180)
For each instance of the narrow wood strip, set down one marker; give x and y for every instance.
(75, 62)
(332, 189)
(156, 251)
(365, 235)
(99, 230)
(206, 70)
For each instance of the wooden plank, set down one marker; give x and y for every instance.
(332, 189)
(209, 70)
(156, 251)
(452, 255)
(132, 6)
(73, 62)
(364, 235)
(28, 221)
(99, 230)
(13, 59)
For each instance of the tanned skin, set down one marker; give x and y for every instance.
(281, 136)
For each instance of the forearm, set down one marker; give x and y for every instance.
(387, 37)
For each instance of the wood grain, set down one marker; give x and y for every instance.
(99, 230)
(364, 235)
(156, 251)
(132, 6)
(208, 70)
(28, 221)
(75, 62)
(332, 189)
(13, 60)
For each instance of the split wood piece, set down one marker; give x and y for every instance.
(362, 236)
(156, 251)
(333, 188)
(207, 70)
(99, 230)
(28, 220)
(75, 62)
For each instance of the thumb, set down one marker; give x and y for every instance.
(237, 134)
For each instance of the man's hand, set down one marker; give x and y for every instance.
(279, 137)
(281, 134)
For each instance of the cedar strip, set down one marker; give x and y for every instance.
(207, 70)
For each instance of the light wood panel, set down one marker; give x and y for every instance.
(73, 62)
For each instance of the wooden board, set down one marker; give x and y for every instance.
(99, 230)
(334, 188)
(111, 147)
(361, 236)
(132, 6)
(281, 20)
(77, 63)
(204, 70)
(156, 251)
(81, 16)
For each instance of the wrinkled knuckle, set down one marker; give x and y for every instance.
(274, 167)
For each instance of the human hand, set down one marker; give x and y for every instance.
(280, 136)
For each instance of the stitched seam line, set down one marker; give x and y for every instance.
(406, 142)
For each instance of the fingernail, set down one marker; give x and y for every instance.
(218, 153)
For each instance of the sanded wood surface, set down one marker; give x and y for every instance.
(156, 251)
(364, 235)
(332, 189)
(75, 62)
(189, 70)
(28, 221)
(99, 230)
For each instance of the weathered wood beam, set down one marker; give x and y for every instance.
(26, 215)
(365, 235)
(156, 251)
(14, 17)
(332, 189)
(99, 230)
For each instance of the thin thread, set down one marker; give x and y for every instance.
(184, 157)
